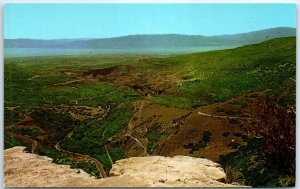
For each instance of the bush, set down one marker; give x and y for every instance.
(277, 128)
(201, 144)
(233, 175)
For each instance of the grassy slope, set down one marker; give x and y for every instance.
(218, 75)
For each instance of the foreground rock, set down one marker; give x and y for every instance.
(23, 169)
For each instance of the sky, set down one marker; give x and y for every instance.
(66, 21)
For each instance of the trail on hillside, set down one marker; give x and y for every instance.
(139, 142)
(72, 82)
(137, 111)
(223, 117)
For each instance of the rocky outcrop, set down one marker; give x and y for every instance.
(167, 171)
(23, 169)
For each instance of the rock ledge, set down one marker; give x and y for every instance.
(23, 169)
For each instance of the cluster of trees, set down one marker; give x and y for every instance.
(57, 123)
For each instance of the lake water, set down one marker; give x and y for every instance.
(24, 52)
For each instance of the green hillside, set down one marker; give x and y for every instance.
(217, 75)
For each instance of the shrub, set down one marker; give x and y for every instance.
(233, 175)
(276, 126)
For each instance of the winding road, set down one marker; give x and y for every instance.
(99, 165)
(35, 144)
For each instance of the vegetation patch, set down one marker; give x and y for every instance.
(237, 134)
(61, 158)
(218, 109)
(201, 144)
(10, 141)
(34, 132)
(90, 136)
(233, 145)
(251, 168)
(226, 134)
(233, 113)
(234, 121)
(59, 124)
(10, 117)
(99, 94)
(173, 101)
(153, 136)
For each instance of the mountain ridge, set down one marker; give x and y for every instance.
(154, 40)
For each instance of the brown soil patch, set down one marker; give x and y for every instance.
(183, 128)
(99, 72)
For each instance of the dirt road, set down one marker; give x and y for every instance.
(27, 139)
(99, 165)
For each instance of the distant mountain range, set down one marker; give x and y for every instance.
(154, 41)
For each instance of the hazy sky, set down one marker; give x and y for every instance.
(57, 21)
